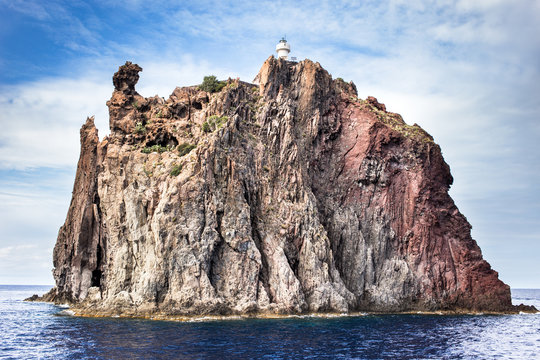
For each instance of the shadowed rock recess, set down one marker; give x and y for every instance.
(289, 196)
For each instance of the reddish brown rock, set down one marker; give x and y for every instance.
(126, 78)
(78, 254)
(288, 197)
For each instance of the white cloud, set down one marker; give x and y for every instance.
(41, 120)
(162, 77)
(479, 5)
(25, 264)
(9, 250)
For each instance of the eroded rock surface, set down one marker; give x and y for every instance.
(284, 197)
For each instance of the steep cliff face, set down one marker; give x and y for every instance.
(284, 197)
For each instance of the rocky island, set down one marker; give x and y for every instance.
(287, 196)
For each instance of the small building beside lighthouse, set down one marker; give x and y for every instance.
(283, 49)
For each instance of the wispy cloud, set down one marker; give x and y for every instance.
(34, 9)
(10, 250)
(41, 120)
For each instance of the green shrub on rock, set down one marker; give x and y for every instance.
(185, 148)
(139, 128)
(214, 123)
(176, 170)
(211, 84)
(156, 148)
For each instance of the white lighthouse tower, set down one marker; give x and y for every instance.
(283, 49)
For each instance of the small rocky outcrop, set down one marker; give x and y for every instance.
(288, 196)
(125, 79)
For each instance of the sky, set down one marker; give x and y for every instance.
(468, 72)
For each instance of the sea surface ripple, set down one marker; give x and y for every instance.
(37, 331)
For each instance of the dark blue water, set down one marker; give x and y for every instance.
(35, 331)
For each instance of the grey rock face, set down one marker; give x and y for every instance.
(286, 197)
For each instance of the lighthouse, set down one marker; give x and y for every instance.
(283, 48)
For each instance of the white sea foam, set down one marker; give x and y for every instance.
(66, 313)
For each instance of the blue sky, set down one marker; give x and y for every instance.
(468, 72)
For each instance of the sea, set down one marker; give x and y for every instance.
(44, 331)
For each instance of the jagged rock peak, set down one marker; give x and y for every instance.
(277, 74)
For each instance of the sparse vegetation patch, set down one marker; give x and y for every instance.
(214, 123)
(211, 84)
(139, 128)
(185, 148)
(396, 122)
(176, 170)
(156, 148)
